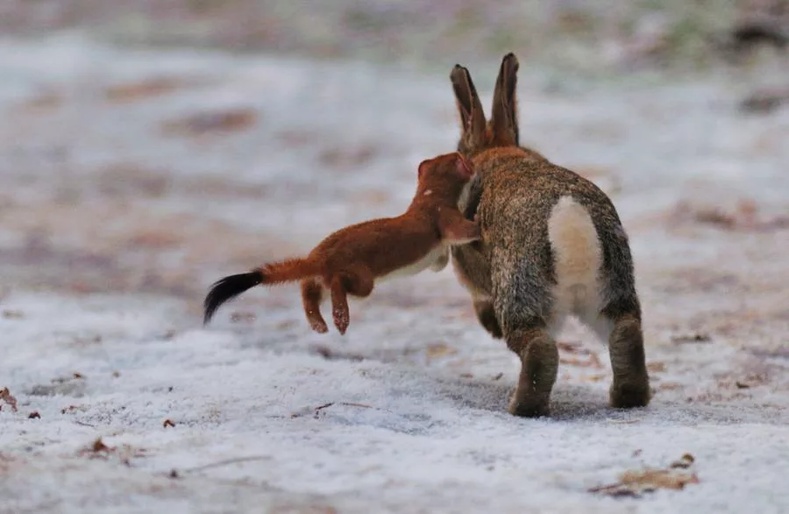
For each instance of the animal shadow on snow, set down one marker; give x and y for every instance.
(569, 402)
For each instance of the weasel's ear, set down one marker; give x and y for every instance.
(422, 167)
(464, 168)
(472, 117)
(504, 116)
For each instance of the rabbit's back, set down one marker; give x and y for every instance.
(552, 243)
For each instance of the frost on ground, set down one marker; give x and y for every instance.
(132, 180)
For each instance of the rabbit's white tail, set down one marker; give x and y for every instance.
(578, 258)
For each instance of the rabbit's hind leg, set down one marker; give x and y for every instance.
(619, 324)
(539, 367)
(630, 387)
(623, 334)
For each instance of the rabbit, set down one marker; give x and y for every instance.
(350, 260)
(552, 245)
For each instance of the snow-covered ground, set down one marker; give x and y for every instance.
(131, 180)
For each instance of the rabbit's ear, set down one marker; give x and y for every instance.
(504, 114)
(469, 106)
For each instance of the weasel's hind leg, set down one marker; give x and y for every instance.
(358, 281)
(311, 296)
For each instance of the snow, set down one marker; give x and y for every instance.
(113, 229)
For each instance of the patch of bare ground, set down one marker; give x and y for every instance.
(744, 216)
(144, 89)
(112, 246)
(214, 122)
(345, 158)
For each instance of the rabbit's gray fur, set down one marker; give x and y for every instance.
(531, 212)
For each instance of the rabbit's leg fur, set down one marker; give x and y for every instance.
(539, 366)
(622, 331)
(441, 261)
(486, 315)
(626, 348)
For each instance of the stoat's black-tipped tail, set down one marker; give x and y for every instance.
(227, 288)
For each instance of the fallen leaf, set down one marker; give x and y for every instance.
(97, 449)
(436, 350)
(635, 483)
(168, 423)
(7, 397)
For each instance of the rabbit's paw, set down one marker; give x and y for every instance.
(531, 406)
(627, 395)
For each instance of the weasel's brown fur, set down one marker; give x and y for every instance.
(351, 259)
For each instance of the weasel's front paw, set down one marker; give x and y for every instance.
(341, 319)
(464, 233)
(319, 326)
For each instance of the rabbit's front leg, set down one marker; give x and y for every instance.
(441, 261)
(487, 316)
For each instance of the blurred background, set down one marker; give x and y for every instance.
(599, 36)
(151, 146)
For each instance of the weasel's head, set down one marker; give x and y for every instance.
(444, 177)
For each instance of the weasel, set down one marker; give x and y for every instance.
(350, 260)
